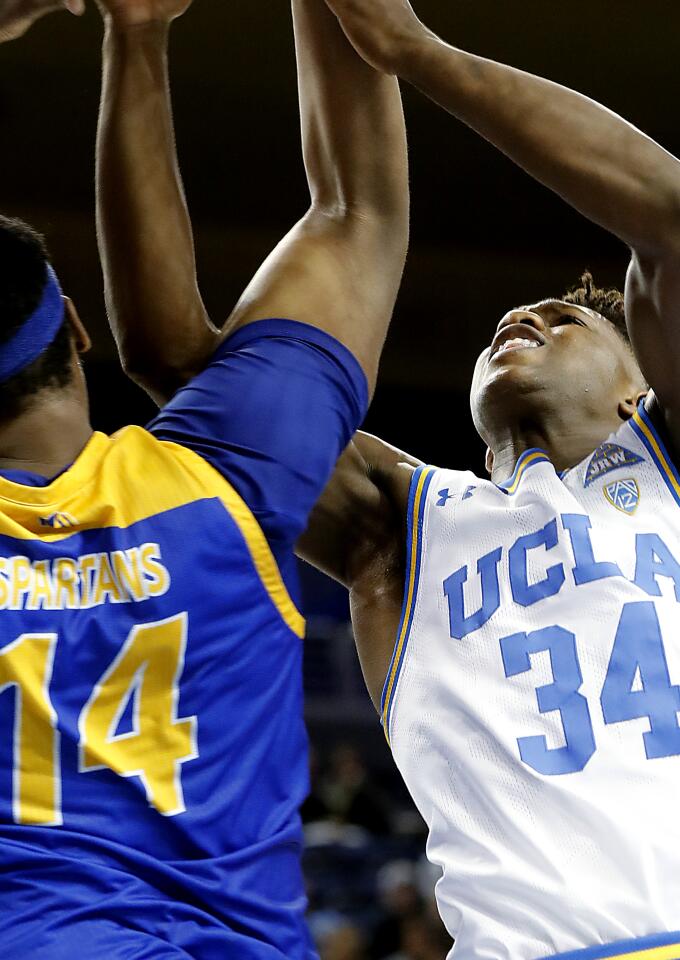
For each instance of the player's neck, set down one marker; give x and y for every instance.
(566, 444)
(48, 436)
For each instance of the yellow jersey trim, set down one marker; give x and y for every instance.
(527, 459)
(659, 454)
(664, 946)
(127, 478)
(420, 485)
(671, 952)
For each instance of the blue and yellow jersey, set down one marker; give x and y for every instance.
(152, 748)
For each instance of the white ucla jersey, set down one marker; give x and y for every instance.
(533, 701)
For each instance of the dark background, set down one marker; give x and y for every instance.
(485, 237)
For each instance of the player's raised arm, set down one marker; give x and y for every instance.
(599, 163)
(282, 397)
(338, 269)
(145, 235)
(17, 16)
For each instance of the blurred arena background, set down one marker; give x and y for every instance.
(485, 238)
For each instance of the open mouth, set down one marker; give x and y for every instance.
(517, 336)
(517, 343)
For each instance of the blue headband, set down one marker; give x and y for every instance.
(36, 333)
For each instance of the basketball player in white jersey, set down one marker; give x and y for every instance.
(532, 700)
(532, 696)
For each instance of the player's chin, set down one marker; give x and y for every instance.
(503, 390)
(514, 370)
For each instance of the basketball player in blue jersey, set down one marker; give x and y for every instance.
(153, 753)
(521, 641)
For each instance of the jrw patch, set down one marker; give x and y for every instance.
(608, 457)
(624, 495)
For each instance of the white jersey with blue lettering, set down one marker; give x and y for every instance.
(533, 702)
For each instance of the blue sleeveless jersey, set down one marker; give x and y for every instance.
(152, 747)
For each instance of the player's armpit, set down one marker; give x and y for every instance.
(653, 316)
(357, 535)
(350, 514)
(361, 513)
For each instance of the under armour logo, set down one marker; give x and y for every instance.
(58, 521)
(444, 497)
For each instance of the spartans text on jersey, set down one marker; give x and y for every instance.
(77, 583)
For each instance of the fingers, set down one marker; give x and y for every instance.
(18, 16)
(39, 8)
(42, 7)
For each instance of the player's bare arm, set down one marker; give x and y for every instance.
(340, 267)
(18, 16)
(146, 240)
(357, 536)
(355, 152)
(599, 163)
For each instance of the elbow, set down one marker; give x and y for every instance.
(387, 223)
(159, 379)
(161, 365)
(135, 366)
(669, 244)
(384, 199)
(659, 241)
(671, 220)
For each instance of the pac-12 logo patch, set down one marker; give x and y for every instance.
(608, 457)
(624, 495)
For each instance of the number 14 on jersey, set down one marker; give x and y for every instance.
(148, 669)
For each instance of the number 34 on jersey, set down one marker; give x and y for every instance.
(637, 684)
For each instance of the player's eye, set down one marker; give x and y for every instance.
(568, 318)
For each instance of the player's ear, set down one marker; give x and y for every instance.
(81, 337)
(628, 406)
(489, 461)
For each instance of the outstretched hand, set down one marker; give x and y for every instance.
(16, 16)
(136, 13)
(379, 30)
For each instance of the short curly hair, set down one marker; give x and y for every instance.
(607, 301)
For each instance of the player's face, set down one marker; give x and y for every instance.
(551, 359)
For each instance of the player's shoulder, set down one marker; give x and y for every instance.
(394, 490)
(142, 464)
(141, 449)
(388, 468)
(304, 353)
(443, 485)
